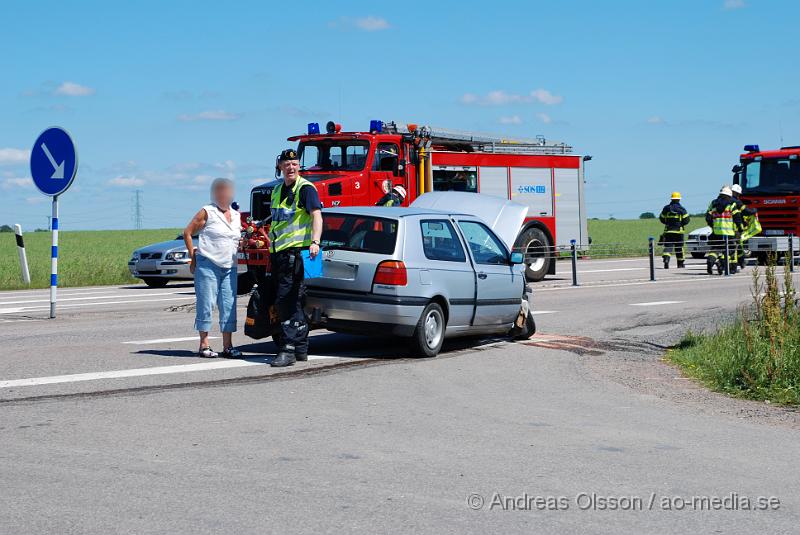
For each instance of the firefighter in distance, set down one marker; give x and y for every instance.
(675, 219)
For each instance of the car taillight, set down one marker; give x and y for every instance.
(391, 272)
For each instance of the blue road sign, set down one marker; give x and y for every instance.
(54, 161)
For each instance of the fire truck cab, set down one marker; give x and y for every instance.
(359, 168)
(770, 182)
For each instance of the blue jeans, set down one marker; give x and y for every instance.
(215, 285)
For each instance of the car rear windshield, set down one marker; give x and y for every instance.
(359, 233)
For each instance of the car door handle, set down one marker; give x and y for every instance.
(482, 275)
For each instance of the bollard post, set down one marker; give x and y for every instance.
(727, 261)
(573, 249)
(23, 258)
(651, 249)
(791, 253)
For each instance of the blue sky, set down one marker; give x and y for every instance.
(164, 96)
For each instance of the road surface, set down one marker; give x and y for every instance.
(109, 423)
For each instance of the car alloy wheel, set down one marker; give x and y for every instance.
(433, 328)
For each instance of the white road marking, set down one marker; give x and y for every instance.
(140, 372)
(609, 270)
(590, 261)
(165, 340)
(535, 312)
(92, 298)
(656, 303)
(73, 305)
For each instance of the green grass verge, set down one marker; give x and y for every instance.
(627, 236)
(757, 356)
(86, 258)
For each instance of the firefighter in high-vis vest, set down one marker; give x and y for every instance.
(723, 216)
(675, 218)
(736, 191)
(395, 197)
(296, 225)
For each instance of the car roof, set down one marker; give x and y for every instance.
(391, 212)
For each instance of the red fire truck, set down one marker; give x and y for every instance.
(770, 181)
(358, 168)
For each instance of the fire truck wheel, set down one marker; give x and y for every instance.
(698, 255)
(244, 283)
(155, 282)
(535, 246)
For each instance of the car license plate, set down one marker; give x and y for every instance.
(146, 265)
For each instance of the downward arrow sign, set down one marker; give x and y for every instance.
(58, 169)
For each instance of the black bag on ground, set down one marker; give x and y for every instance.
(262, 314)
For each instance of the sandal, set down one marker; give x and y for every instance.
(231, 353)
(207, 353)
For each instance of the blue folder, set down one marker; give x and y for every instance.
(312, 268)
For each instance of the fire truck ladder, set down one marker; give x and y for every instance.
(477, 142)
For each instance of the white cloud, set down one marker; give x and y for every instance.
(211, 115)
(126, 181)
(502, 98)
(734, 4)
(39, 199)
(511, 119)
(367, 24)
(11, 156)
(371, 24)
(17, 182)
(71, 89)
(546, 119)
(656, 119)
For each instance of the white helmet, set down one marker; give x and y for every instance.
(726, 191)
(736, 188)
(400, 190)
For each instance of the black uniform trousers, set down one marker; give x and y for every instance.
(290, 297)
(673, 243)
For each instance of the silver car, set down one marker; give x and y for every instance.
(697, 242)
(422, 273)
(159, 263)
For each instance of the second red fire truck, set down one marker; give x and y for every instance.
(358, 168)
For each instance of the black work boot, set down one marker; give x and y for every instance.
(710, 265)
(283, 359)
(666, 262)
(681, 264)
(301, 357)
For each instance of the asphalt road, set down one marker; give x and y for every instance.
(108, 423)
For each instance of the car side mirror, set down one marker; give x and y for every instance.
(517, 258)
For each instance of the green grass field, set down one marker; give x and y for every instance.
(86, 258)
(627, 236)
(91, 258)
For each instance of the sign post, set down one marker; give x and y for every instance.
(54, 163)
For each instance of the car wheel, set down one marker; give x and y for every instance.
(698, 255)
(155, 282)
(535, 247)
(429, 332)
(525, 332)
(244, 283)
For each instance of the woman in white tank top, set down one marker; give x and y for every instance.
(218, 227)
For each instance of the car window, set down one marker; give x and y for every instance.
(485, 247)
(359, 233)
(440, 242)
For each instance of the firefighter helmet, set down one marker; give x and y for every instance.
(726, 191)
(676, 196)
(400, 190)
(736, 188)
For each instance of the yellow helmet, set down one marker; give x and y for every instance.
(676, 195)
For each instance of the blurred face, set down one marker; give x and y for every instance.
(223, 195)
(290, 169)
